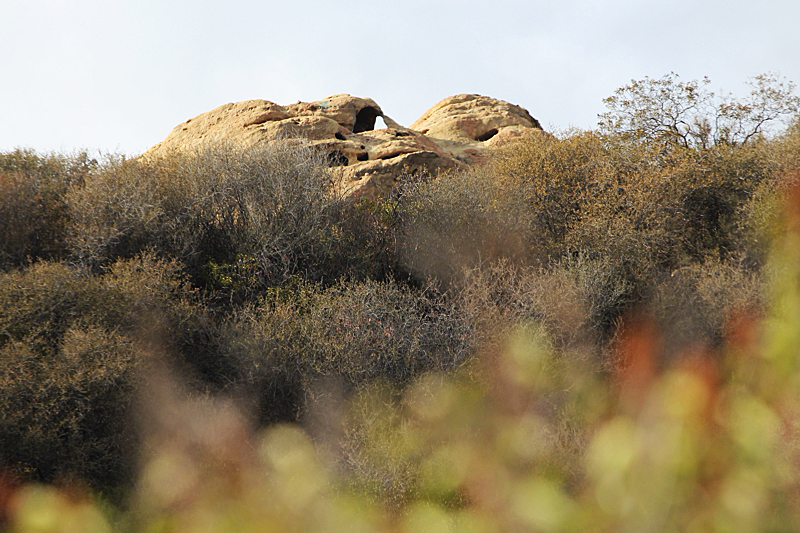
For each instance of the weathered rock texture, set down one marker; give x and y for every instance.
(466, 124)
(455, 132)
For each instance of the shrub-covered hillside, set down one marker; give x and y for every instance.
(593, 331)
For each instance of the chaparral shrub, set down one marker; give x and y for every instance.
(352, 333)
(459, 221)
(72, 348)
(269, 203)
(34, 217)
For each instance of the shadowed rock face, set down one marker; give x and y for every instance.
(455, 132)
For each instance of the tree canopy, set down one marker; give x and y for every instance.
(688, 114)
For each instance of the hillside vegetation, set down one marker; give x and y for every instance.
(593, 331)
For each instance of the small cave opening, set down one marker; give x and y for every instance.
(365, 120)
(337, 159)
(339, 136)
(486, 136)
(363, 157)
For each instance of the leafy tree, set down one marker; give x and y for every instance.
(687, 114)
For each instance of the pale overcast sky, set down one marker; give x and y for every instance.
(118, 75)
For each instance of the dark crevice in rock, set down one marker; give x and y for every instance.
(339, 136)
(363, 157)
(486, 136)
(258, 120)
(337, 159)
(365, 120)
(392, 155)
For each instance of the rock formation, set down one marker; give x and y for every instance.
(455, 132)
(466, 124)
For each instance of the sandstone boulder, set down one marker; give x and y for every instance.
(363, 160)
(465, 125)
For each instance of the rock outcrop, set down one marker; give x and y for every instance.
(455, 132)
(466, 124)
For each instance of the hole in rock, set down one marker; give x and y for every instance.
(363, 157)
(337, 159)
(339, 136)
(486, 136)
(365, 120)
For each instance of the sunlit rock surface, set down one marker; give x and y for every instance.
(452, 134)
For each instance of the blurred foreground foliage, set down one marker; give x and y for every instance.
(594, 331)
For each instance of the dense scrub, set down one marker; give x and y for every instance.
(74, 347)
(33, 210)
(589, 320)
(633, 222)
(348, 334)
